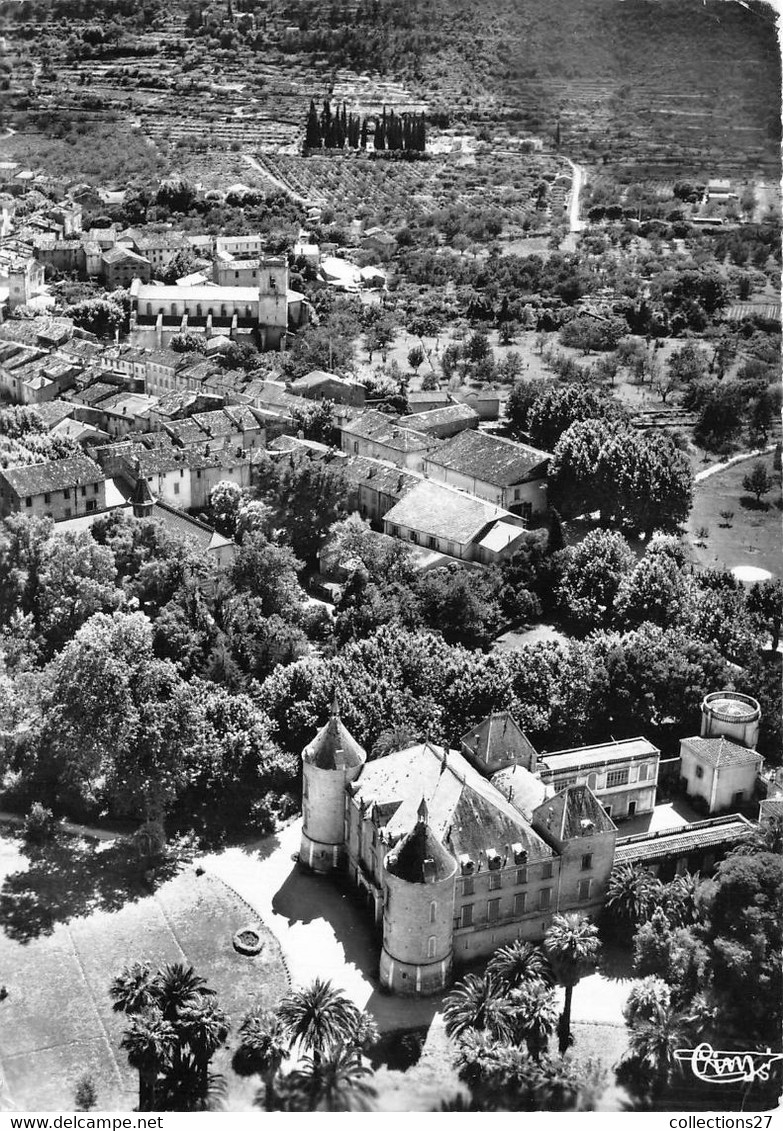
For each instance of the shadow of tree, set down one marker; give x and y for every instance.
(751, 504)
(71, 877)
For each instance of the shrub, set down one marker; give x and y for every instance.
(40, 824)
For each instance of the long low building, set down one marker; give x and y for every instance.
(692, 848)
(623, 775)
(451, 522)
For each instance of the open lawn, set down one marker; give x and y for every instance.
(85, 921)
(751, 537)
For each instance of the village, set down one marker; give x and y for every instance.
(391, 588)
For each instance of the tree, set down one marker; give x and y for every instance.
(133, 990)
(686, 364)
(765, 602)
(339, 1080)
(572, 944)
(415, 357)
(225, 499)
(535, 1016)
(513, 966)
(631, 895)
(656, 592)
(307, 496)
(318, 1017)
(268, 572)
(758, 481)
(521, 399)
(559, 406)
(263, 1046)
(183, 262)
(188, 343)
(477, 1003)
(149, 1042)
(99, 316)
(591, 576)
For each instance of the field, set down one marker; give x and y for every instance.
(71, 920)
(751, 537)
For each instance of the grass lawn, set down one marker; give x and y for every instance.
(57, 1021)
(752, 537)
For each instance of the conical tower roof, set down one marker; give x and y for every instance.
(142, 498)
(420, 858)
(334, 747)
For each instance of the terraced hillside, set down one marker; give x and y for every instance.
(656, 85)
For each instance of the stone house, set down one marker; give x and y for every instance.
(622, 775)
(380, 436)
(508, 474)
(58, 489)
(442, 422)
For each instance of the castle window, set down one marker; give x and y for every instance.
(544, 898)
(46, 497)
(546, 871)
(493, 910)
(431, 946)
(584, 889)
(520, 900)
(466, 918)
(495, 881)
(467, 885)
(699, 772)
(433, 911)
(587, 862)
(521, 875)
(592, 781)
(28, 502)
(617, 777)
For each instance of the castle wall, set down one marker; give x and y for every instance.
(323, 828)
(417, 935)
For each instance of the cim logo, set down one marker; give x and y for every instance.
(715, 1066)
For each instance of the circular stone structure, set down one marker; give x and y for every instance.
(248, 940)
(731, 715)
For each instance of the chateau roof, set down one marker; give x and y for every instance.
(466, 813)
(524, 790)
(573, 812)
(420, 858)
(721, 752)
(490, 458)
(334, 747)
(498, 735)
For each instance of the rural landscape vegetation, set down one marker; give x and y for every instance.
(531, 227)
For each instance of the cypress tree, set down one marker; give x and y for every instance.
(312, 129)
(363, 136)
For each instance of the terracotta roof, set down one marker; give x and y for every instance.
(334, 748)
(386, 478)
(524, 790)
(771, 809)
(490, 458)
(720, 751)
(381, 428)
(435, 509)
(712, 833)
(434, 417)
(55, 475)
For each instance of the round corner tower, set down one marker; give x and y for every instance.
(418, 913)
(731, 715)
(329, 763)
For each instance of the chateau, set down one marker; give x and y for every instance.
(459, 852)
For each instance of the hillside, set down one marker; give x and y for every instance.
(653, 85)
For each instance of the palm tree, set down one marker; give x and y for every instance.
(203, 1027)
(133, 990)
(680, 899)
(149, 1041)
(520, 962)
(263, 1046)
(648, 999)
(478, 1003)
(178, 987)
(535, 1016)
(631, 896)
(318, 1016)
(338, 1080)
(572, 945)
(654, 1042)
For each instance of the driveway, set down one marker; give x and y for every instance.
(322, 931)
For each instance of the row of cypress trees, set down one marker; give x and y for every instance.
(339, 129)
